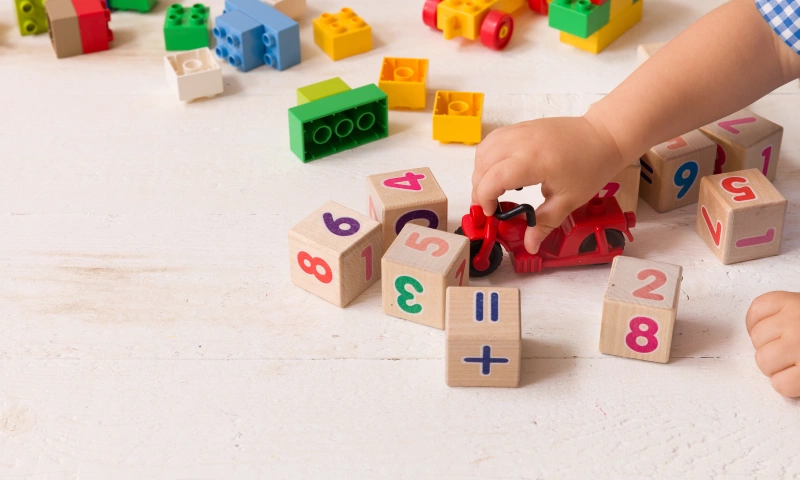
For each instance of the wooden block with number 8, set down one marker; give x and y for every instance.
(745, 140)
(671, 171)
(639, 309)
(335, 253)
(625, 186)
(406, 196)
(483, 346)
(418, 268)
(740, 216)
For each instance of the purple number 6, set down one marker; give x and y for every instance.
(335, 226)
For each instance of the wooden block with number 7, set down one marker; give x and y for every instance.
(335, 253)
(406, 196)
(418, 268)
(639, 309)
(625, 186)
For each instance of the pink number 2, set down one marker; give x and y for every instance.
(609, 190)
(646, 292)
(366, 254)
(766, 153)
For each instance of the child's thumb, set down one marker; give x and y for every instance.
(549, 216)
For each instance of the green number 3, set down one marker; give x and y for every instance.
(405, 296)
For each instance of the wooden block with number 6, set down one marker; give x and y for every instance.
(671, 171)
(740, 216)
(625, 186)
(745, 140)
(406, 196)
(639, 309)
(335, 253)
(418, 268)
(483, 346)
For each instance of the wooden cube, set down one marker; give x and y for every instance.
(335, 253)
(671, 171)
(406, 196)
(625, 186)
(745, 140)
(639, 309)
(483, 339)
(644, 52)
(418, 268)
(740, 216)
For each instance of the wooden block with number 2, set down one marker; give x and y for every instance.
(418, 268)
(335, 253)
(639, 309)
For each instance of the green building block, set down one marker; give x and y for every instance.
(186, 28)
(143, 6)
(581, 18)
(31, 16)
(339, 122)
(322, 89)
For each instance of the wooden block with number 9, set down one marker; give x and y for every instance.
(418, 268)
(335, 253)
(639, 309)
(406, 196)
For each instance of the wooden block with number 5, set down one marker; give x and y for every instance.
(740, 216)
(335, 253)
(625, 186)
(418, 268)
(483, 345)
(745, 140)
(671, 171)
(639, 309)
(406, 196)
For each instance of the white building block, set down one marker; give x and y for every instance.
(193, 74)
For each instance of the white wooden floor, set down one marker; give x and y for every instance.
(148, 328)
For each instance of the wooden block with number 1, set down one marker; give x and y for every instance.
(639, 309)
(406, 196)
(418, 268)
(335, 253)
(625, 186)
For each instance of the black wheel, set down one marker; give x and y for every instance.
(614, 238)
(495, 256)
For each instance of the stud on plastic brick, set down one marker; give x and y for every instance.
(239, 40)
(186, 28)
(31, 16)
(404, 81)
(342, 34)
(193, 74)
(281, 34)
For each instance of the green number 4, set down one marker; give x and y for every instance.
(405, 296)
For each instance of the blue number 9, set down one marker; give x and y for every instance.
(685, 177)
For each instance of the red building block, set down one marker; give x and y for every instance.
(93, 18)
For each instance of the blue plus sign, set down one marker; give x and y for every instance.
(486, 360)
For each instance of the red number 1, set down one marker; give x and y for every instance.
(366, 254)
(460, 272)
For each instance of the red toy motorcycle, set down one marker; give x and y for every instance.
(592, 234)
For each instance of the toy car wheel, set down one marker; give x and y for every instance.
(614, 238)
(496, 30)
(495, 256)
(429, 12)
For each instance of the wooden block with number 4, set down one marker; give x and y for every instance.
(639, 309)
(406, 196)
(671, 171)
(335, 253)
(625, 186)
(745, 140)
(740, 216)
(418, 268)
(483, 346)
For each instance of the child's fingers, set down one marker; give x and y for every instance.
(787, 382)
(767, 330)
(487, 155)
(549, 215)
(774, 357)
(765, 306)
(504, 176)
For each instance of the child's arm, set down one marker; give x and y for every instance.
(722, 63)
(773, 322)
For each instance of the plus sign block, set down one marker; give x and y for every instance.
(483, 337)
(418, 268)
(625, 187)
(745, 140)
(671, 171)
(740, 216)
(406, 196)
(639, 309)
(335, 253)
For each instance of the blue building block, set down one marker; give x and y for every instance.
(281, 33)
(239, 40)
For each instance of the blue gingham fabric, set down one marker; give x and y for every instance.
(784, 18)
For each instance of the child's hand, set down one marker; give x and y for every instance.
(773, 322)
(572, 158)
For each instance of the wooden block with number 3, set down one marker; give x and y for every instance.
(745, 140)
(418, 268)
(671, 171)
(625, 186)
(483, 346)
(639, 309)
(406, 196)
(335, 253)
(740, 216)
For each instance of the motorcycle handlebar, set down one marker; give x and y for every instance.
(530, 214)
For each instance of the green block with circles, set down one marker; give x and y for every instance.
(31, 16)
(186, 28)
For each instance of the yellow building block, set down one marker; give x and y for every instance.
(606, 35)
(457, 117)
(403, 80)
(464, 17)
(342, 34)
(619, 6)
